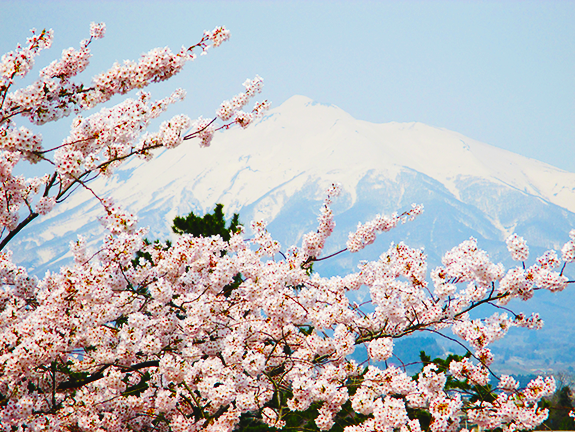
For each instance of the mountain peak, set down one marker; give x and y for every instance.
(298, 101)
(339, 143)
(300, 107)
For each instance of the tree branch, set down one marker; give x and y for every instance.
(74, 384)
(19, 228)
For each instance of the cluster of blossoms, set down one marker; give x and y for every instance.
(366, 234)
(101, 141)
(313, 243)
(231, 111)
(517, 246)
(116, 219)
(568, 249)
(20, 62)
(199, 334)
(195, 335)
(523, 281)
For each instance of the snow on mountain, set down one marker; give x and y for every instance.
(304, 146)
(279, 168)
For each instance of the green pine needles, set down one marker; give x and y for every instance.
(208, 225)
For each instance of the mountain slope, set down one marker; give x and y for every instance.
(278, 170)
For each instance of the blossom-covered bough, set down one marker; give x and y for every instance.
(102, 141)
(201, 334)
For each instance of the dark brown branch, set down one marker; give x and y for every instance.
(467, 349)
(74, 384)
(424, 326)
(19, 228)
(193, 134)
(326, 257)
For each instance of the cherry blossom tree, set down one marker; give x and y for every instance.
(206, 333)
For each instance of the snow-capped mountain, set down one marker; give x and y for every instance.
(279, 168)
(282, 165)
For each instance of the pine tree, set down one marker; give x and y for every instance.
(208, 225)
(560, 404)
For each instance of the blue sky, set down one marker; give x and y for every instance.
(499, 72)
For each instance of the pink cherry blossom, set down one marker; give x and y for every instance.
(517, 246)
(191, 336)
